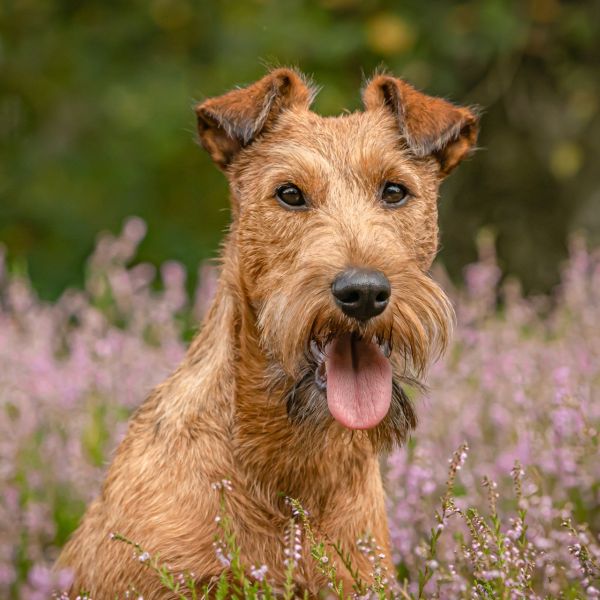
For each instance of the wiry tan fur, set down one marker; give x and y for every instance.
(234, 409)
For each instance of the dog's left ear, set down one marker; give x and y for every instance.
(431, 126)
(228, 123)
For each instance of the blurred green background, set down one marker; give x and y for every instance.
(96, 118)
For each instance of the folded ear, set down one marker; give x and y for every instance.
(228, 123)
(430, 126)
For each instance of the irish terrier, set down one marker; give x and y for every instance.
(324, 311)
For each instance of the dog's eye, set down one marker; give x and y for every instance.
(394, 194)
(290, 196)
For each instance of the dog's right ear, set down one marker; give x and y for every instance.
(228, 123)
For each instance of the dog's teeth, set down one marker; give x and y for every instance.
(314, 347)
(321, 376)
(384, 346)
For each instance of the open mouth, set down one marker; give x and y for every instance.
(356, 375)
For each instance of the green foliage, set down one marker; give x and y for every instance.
(96, 121)
(183, 587)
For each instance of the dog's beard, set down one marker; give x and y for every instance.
(414, 330)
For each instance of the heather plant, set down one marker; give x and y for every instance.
(514, 515)
(519, 384)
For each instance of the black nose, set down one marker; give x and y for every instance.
(361, 293)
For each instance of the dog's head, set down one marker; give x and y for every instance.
(335, 221)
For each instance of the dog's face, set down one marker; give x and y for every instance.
(336, 228)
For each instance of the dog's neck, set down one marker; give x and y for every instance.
(280, 452)
(274, 456)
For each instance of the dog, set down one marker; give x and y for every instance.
(324, 313)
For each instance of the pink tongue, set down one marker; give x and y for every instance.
(359, 382)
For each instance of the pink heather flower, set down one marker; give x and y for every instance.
(224, 559)
(134, 229)
(259, 573)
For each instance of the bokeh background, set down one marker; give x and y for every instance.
(96, 125)
(96, 119)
